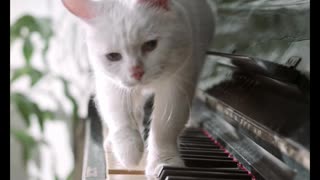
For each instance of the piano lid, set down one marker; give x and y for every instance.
(268, 102)
(274, 95)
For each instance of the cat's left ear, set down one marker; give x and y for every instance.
(164, 4)
(83, 9)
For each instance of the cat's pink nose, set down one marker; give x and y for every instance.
(137, 72)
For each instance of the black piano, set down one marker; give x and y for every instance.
(252, 124)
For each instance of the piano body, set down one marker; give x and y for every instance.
(251, 124)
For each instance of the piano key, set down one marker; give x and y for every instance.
(206, 157)
(198, 142)
(198, 145)
(189, 130)
(199, 139)
(209, 163)
(192, 133)
(227, 170)
(194, 136)
(203, 152)
(214, 149)
(201, 155)
(204, 174)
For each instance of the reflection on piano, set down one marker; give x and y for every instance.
(254, 124)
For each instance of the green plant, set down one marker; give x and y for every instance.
(23, 30)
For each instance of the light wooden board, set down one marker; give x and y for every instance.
(117, 171)
(126, 177)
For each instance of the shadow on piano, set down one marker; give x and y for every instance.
(254, 124)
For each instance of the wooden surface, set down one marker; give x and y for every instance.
(94, 166)
(116, 171)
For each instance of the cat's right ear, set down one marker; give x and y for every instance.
(83, 9)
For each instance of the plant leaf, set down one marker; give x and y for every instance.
(35, 76)
(27, 50)
(75, 116)
(41, 25)
(24, 106)
(27, 142)
(27, 107)
(19, 73)
(39, 115)
(42, 116)
(48, 115)
(26, 22)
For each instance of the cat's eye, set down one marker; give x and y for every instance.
(149, 46)
(114, 56)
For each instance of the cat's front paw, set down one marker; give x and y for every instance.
(155, 163)
(127, 146)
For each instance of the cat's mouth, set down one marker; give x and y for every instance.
(144, 81)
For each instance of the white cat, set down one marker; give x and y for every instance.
(142, 47)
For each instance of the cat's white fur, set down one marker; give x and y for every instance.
(184, 32)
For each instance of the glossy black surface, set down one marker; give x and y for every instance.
(203, 162)
(273, 95)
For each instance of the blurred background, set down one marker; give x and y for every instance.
(50, 74)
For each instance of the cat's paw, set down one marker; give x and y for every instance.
(127, 146)
(154, 164)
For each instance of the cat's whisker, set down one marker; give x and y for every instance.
(169, 118)
(165, 111)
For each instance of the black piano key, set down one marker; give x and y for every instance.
(192, 133)
(213, 150)
(190, 130)
(193, 136)
(199, 139)
(198, 145)
(201, 149)
(206, 157)
(203, 152)
(226, 170)
(208, 163)
(204, 160)
(209, 175)
(188, 138)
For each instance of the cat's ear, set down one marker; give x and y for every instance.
(164, 4)
(84, 9)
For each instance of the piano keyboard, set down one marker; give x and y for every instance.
(204, 157)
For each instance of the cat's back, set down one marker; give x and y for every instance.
(202, 18)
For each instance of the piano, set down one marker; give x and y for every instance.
(252, 124)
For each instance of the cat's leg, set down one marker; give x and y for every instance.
(115, 107)
(172, 104)
(138, 102)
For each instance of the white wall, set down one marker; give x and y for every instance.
(56, 159)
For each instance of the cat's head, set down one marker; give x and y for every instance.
(133, 42)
